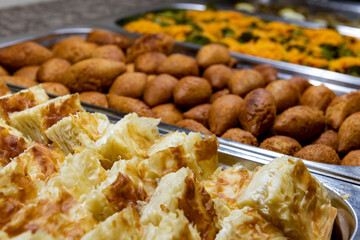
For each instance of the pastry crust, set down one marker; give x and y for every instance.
(12, 143)
(213, 54)
(181, 191)
(35, 121)
(94, 98)
(247, 223)
(17, 189)
(76, 132)
(123, 225)
(32, 54)
(168, 113)
(241, 136)
(229, 184)
(125, 181)
(131, 136)
(40, 161)
(281, 144)
(55, 88)
(342, 107)
(22, 100)
(267, 189)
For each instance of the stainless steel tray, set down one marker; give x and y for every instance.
(327, 6)
(291, 68)
(337, 179)
(344, 173)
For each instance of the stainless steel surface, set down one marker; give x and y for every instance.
(344, 173)
(338, 191)
(348, 31)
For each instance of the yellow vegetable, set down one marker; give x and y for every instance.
(322, 48)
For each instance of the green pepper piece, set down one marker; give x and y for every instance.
(329, 51)
(227, 32)
(354, 71)
(198, 39)
(246, 37)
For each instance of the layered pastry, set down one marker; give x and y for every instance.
(82, 177)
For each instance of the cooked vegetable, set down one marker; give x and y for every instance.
(322, 48)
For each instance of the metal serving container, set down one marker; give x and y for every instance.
(289, 68)
(337, 179)
(345, 173)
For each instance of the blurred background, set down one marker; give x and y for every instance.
(23, 16)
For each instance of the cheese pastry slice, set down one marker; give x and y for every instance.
(180, 191)
(248, 224)
(40, 161)
(35, 121)
(205, 153)
(176, 150)
(285, 194)
(131, 136)
(38, 235)
(16, 190)
(134, 180)
(122, 187)
(228, 184)
(80, 174)
(54, 212)
(12, 143)
(78, 131)
(173, 225)
(22, 100)
(124, 225)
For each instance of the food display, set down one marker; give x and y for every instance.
(320, 48)
(202, 93)
(78, 176)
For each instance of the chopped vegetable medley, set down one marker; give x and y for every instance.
(321, 48)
